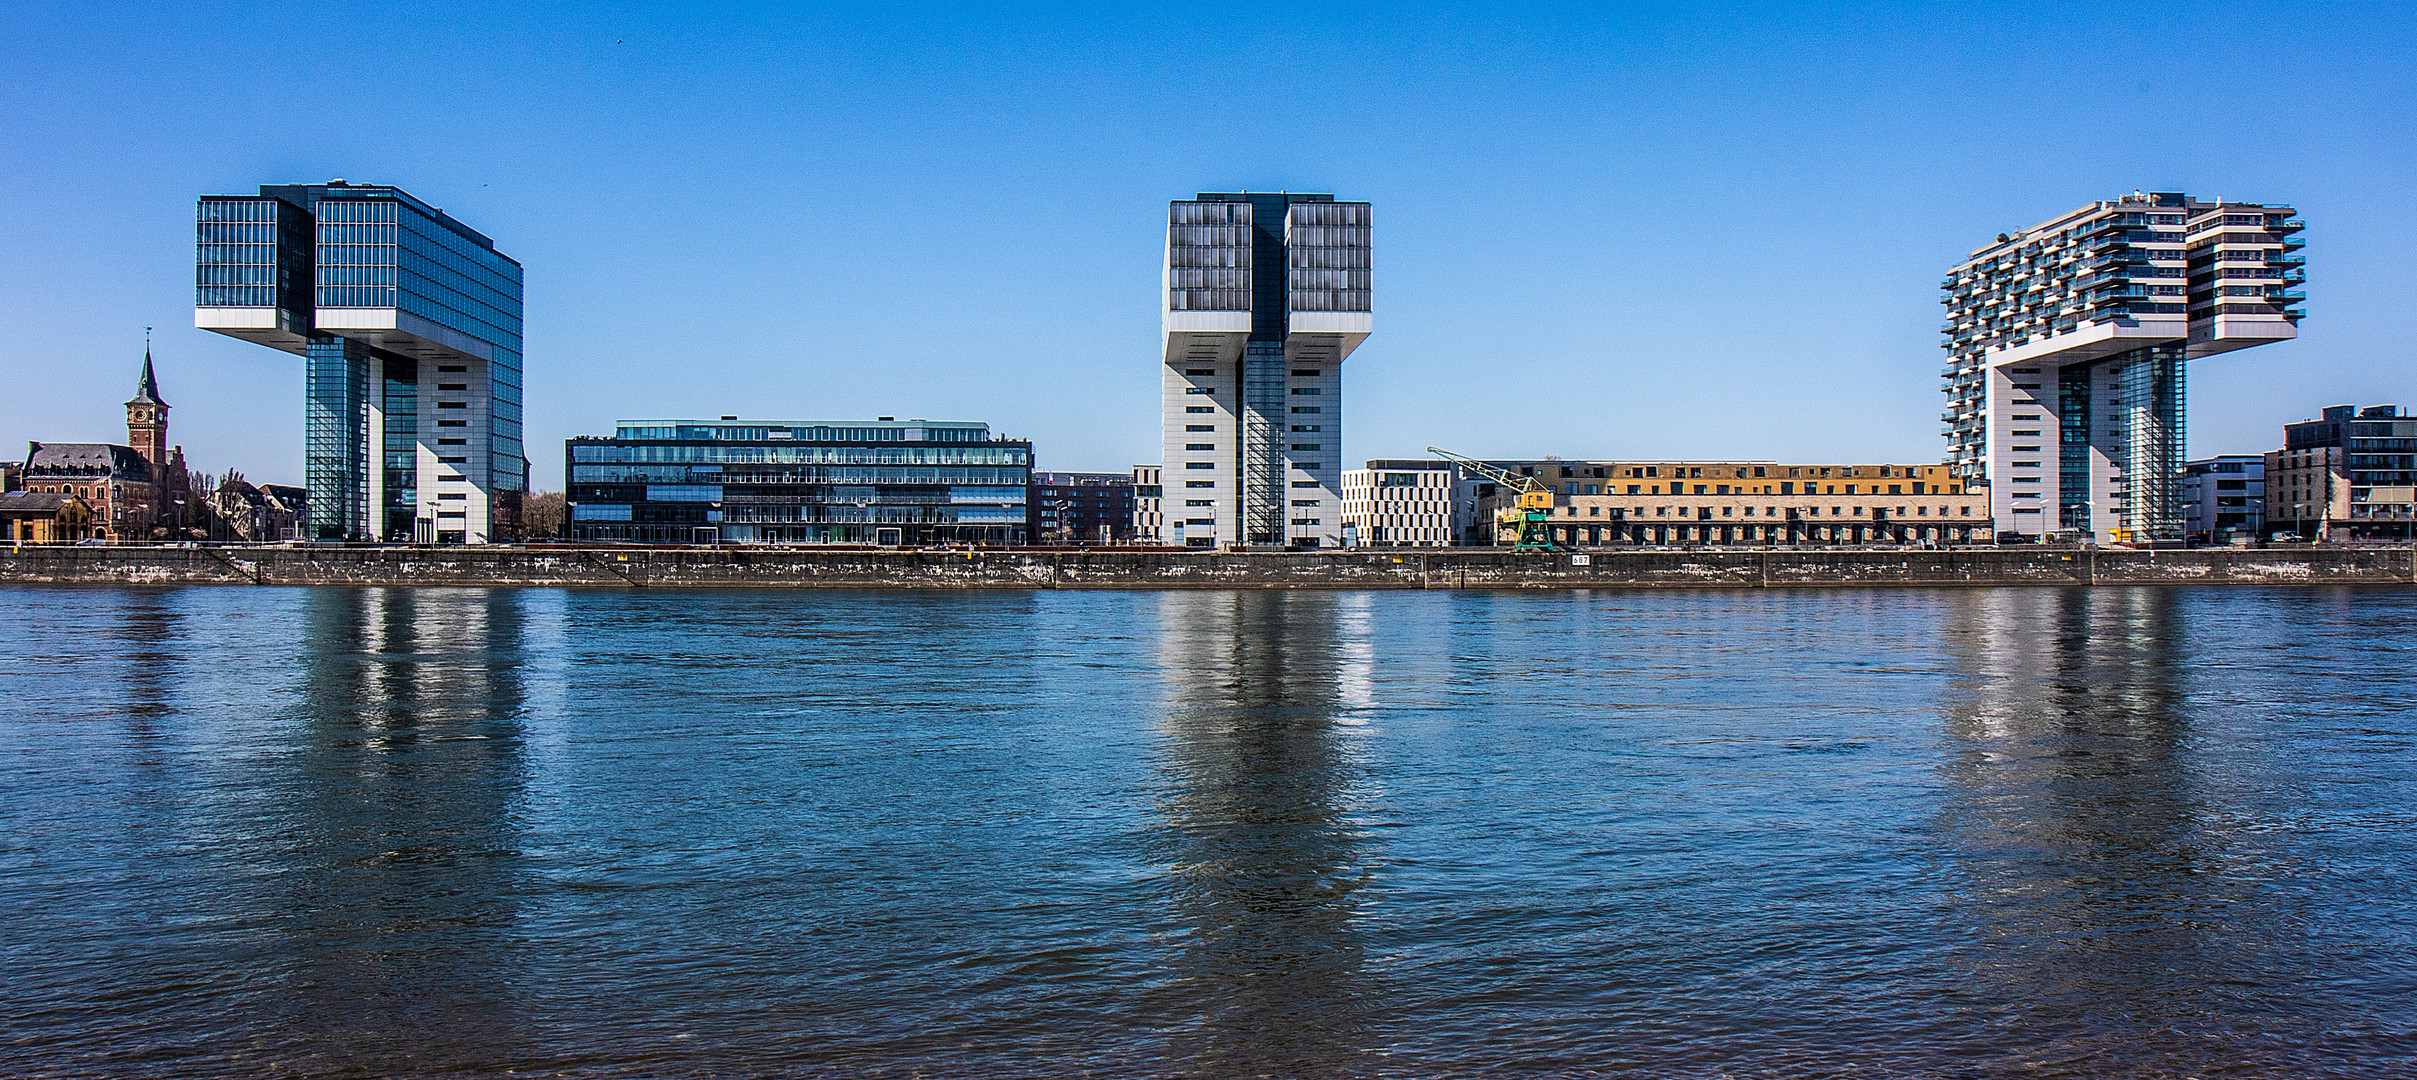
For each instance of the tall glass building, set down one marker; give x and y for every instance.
(886, 481)
(2066, 345)
(1265, 295)
(408, 323)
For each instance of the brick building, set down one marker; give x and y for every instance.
(137, 491)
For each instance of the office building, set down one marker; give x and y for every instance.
(135, 491)
(1742, 503)
(1266, 295)
(2066, 343)
(2350, 475)
(2223, 497)
(887, 481)
(1149, 506)
(408, 323)
(1399, 504)
(1082, 508)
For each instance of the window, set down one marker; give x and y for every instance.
(1310, 391)
(451, 367)
(453, 495)
(1200, 483)
(451, 442)
(1304, 483)
(1200, 427)
(1200, 464)
(1199, 408)
(1199, 502)
(1200, 446)
(1305, 502)
(1312, 409)
(1199, 390)
(453, 404)
(1308, 427)
(1309, 373)
(453, 386)
(453, 423)
(1200, 371)
(454, 460)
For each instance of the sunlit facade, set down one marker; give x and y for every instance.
(2066, 343)
(409, 323)
(1266, 294)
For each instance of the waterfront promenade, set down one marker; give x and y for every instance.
(1378, 568)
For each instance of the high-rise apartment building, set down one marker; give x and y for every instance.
(408, 322)
(1266, 294)
(2066, 343)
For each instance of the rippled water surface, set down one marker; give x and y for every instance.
(1895, 833)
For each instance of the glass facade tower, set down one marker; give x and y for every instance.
(409, 324)
(1265, 295)
(2067, 344)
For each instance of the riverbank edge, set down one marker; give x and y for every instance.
(775, 568)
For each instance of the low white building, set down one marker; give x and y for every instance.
(1149, 506)
(2222, 496)
(1399, 503)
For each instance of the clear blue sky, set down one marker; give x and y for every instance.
(1641, 232)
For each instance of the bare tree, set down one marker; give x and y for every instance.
(542, 514)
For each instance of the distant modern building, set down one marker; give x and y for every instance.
(135, 492)
(2223, 497)
(409, 323)
(1744, 503)
(2066, 343)
(1082, 508)
(886, 481)
(1266, 294)
(2349, 476)
(1399, 503)
(1149, 506)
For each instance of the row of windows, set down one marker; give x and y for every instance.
(806, 454)
(1769, 511)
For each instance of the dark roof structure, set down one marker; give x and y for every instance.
(21, 503)
(148, 392)
(85, 461)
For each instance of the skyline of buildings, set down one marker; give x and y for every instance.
(2067, 343)
(1266, 294)
(409, 325)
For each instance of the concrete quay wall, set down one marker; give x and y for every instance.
(751, 568)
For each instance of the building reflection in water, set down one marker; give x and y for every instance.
(2085, 866)
(1263, 862)
(395, 878)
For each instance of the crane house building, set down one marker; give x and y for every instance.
(888, 482)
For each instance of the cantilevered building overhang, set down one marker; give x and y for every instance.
(1266, 294)
(409, 323)
(2066, 349)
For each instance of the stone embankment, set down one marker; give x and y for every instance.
(754, 568)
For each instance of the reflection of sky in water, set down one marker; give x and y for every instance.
(1987, 832)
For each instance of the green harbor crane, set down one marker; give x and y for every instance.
(1529, 515)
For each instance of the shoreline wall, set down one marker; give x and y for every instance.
(1433, 568)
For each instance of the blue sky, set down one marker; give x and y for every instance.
(1616, 231)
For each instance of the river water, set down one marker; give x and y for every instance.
(2020, 832)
